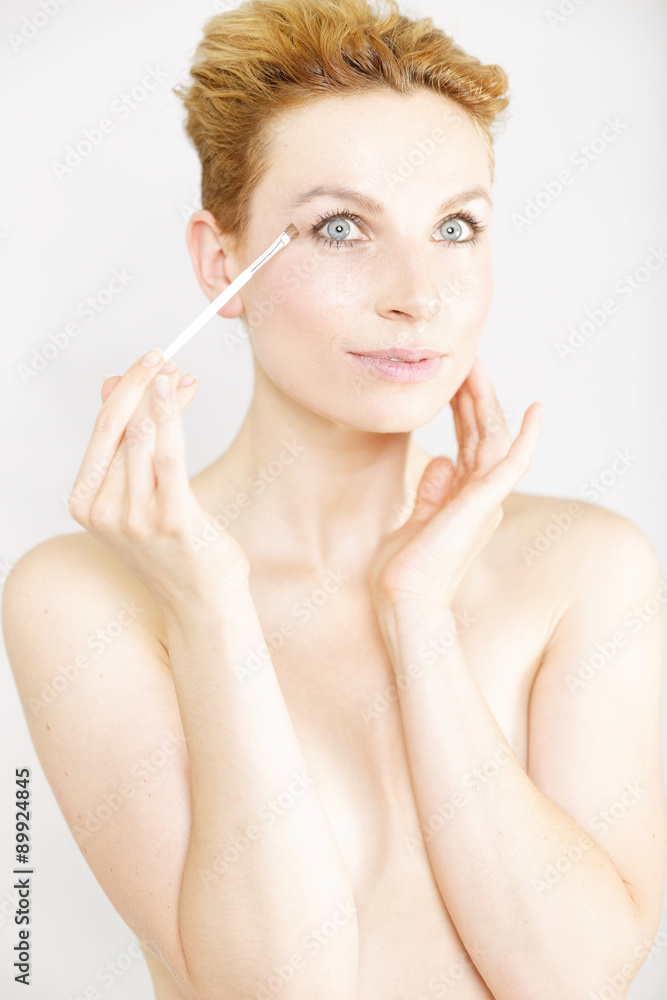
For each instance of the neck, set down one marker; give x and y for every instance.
(320, 495)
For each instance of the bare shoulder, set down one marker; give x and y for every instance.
(83, 640)
(558, 530)
(558, 549)
(60, 572)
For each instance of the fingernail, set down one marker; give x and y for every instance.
(162, 387)
(151, 359)
(168, 369)
(111, 376)
(187, 380)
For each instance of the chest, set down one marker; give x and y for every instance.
(339, 688)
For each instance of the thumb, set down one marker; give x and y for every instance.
(434, 488)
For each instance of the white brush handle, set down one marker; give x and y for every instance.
(229, 292)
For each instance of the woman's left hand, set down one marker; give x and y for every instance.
(457, 508)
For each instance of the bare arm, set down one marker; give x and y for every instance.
(520, 839)
(228, 928)
(549, 889)
(263, 874)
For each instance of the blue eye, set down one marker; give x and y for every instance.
(452, 230)
(334, 229)
(336, 226)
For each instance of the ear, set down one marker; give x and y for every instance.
(213, 261)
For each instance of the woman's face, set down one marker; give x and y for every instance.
(402, 273)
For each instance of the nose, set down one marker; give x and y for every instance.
(409, 291)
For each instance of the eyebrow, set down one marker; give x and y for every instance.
(377, 207)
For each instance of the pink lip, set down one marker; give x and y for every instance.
(400, 371)
(409, 354)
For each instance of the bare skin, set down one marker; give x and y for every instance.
(348, 722)
(356, 751)
(525, 617)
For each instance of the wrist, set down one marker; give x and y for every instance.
(408, 624)
(193, 610)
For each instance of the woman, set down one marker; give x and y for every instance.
(351, 737)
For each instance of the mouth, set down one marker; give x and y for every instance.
(401, 364)
(408, 355)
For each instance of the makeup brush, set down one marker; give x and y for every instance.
(290, 233)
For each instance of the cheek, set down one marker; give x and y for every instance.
(468, 291)
(305, 304)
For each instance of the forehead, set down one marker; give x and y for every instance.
(362, 137)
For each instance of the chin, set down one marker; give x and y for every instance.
(388, 415)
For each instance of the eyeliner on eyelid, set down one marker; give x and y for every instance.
(322, 220)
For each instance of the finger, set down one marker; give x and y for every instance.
(469, 434)
(138, 448)
(109, 385)
(434, 488)
(108, 432)
(494, 435)
(173, 495)
(478, 501)
(503, 478)
(454, 403)
(186, 393)
(121, 500)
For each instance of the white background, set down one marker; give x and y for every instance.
(125, 207)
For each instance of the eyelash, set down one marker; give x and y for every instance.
(472, 221)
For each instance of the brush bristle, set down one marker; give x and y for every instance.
(291, 231)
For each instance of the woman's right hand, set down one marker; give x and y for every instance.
(133, 494)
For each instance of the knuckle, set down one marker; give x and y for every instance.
(75, 509)
(134, 525)
(138, 433)
(171, 525)
(105, 423)
(168, 456)
(103, 515)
